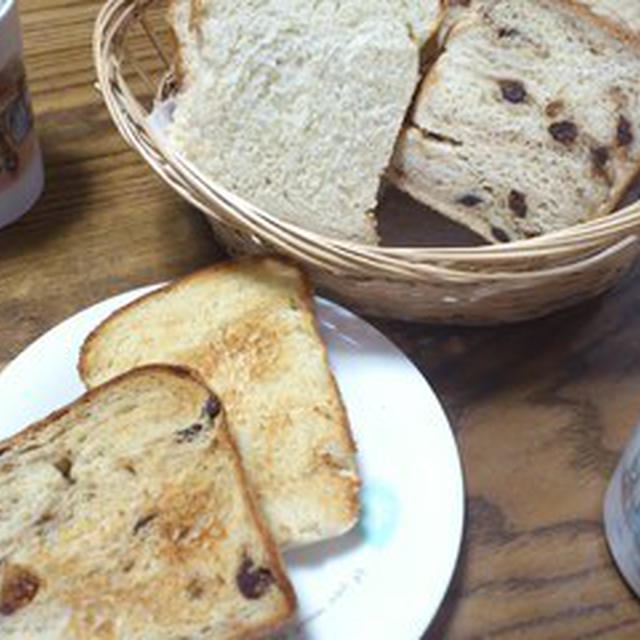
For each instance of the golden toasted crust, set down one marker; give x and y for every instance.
(88, 397)
(203, 273)
(307, 298)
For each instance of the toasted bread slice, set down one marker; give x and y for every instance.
(248, 327)
(127, 515)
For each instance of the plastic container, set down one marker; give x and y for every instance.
(21, 171)
(622, 513)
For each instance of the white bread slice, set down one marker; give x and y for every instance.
(527, 123)
(127, 515)
(296, 105)
(248, 327)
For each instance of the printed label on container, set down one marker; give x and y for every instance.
(17, 140)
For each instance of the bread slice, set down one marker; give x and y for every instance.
(248, 327)
(296, 105)
(528, 121)
(126, 515)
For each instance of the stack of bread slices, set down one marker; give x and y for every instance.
(157, 505)
(514, 118)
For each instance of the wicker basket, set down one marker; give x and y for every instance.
(480, 285)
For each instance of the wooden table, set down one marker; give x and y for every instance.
(541, 410)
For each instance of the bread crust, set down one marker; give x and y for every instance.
(89, 395)
(179, 66)
(307, 299)
(158, 293)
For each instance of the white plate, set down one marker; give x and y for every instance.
(386, 578)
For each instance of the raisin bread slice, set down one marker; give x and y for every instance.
(127, 515)
(527, 123)
(296, 105)
(248, 327)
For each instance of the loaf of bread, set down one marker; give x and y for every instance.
(127, 515)
(296, 105)
(248, 327)
(528, 121)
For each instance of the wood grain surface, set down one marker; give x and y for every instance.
(541, 410)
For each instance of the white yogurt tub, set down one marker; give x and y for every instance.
(21, 172)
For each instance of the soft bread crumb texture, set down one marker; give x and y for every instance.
(248, 328)
(127, 515)
(529, 121)
(296, 105)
